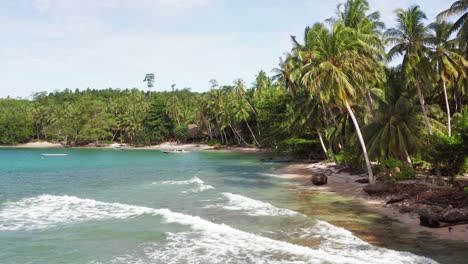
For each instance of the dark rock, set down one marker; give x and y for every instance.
(454, 215)
(428, 218)
(319, 179)
(363, 180)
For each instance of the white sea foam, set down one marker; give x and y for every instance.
(201, 186)
(192, 180)
(207, 242)
(49, 210)
(253, 207)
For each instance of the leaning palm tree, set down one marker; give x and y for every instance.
(355, 14)
(461, 24)
(410, 38)
(336, 67)
(449, 65)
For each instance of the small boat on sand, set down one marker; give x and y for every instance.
(54, 154)
(118, 147)
(175, 151)
(275, 160)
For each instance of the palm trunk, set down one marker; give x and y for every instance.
(449, 127)
(252, 133)
(235, 134)
(410, 163)
(322, 143)
(370, 104)
(361, 141)
(209, 131)
(423, 108)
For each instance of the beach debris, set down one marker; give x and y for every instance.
(397, 199)
(319, 179)
(363, 180)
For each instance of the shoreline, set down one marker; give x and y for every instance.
(345, 185)
(162, 146)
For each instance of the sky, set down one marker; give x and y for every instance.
(49, 45)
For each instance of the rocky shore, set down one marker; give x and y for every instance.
(422, 207)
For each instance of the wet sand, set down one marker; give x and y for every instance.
(344, 184)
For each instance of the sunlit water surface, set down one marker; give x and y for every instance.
(135, 206)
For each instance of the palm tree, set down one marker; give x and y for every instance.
(396, 128)
(353, 14)
(461, 24)
(410, 37)
(262, 81)
(449, 64)
(338, 65)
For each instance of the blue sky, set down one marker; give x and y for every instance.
(51, 45)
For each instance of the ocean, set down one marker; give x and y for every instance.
(144, 206)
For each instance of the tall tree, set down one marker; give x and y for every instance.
(449, 65)
(410, 38)
(337, 67)
(461, 24)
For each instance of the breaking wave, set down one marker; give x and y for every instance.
(206, 242)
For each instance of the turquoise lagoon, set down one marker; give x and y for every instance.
(143, 206)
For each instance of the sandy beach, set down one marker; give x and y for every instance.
(162, 146)
(35, 145)
(345, 184)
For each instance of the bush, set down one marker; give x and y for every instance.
(304, 148)
(213, 142)
(395, 169)
(181, 132)
(447, 155)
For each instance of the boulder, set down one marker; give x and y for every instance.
(428, 218)
(319, 179)
(454, 215)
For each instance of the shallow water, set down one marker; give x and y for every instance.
(105, 206)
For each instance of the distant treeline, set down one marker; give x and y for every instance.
(333, 92)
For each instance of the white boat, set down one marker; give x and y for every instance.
(119, 147)
(54, 154)
(175, 151)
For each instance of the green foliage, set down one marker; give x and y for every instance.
(158, 125)
(15, 123)
(213, 142)
(181, 133)
(272, 106)
(420, 164)
(447, 155)
(303, 148)
(396, 169)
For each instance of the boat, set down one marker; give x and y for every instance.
(54, 154)
(275, 160)
(175, 151)
(119, 147)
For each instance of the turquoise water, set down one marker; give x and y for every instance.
(105, 206)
